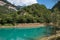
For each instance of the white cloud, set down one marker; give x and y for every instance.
(22, 2)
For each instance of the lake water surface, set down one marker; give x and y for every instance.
(24, 33)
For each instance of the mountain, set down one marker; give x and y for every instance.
(2, 3)
(27, 14)
(56, 14)
(56, 6)
(34, 9)
(7, 4)
(6, 7)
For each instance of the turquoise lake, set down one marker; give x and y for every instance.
(24, 33)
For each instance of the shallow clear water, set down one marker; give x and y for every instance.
(23, 33)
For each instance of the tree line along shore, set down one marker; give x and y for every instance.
(35, 13)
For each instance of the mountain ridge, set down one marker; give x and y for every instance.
(7, 4)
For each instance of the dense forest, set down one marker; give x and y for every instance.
(56, 14)
(28, 14)
(35, 13)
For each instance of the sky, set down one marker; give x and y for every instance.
(48, 3)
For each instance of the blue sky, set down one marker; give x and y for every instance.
(48, 3)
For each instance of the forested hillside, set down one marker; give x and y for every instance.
(35, 13)
(56, 14)
(28, 14)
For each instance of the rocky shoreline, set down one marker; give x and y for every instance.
(51, 37)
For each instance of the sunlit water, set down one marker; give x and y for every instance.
(23, 33)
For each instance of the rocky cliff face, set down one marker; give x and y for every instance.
(2, 3)
(7, 4)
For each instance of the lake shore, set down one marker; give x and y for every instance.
(25, 25)
(51, 37)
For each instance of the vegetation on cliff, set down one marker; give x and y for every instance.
(56, 14)
(35, 13)
(28, 14)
